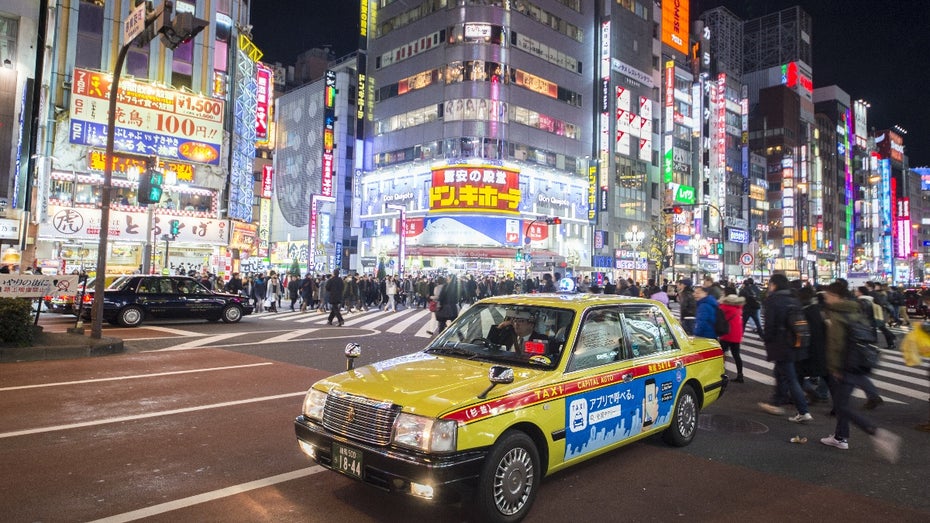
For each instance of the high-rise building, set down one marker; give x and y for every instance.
(187, 110)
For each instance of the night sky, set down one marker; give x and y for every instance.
(875, 50)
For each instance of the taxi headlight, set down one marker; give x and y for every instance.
(314, 402)
(424, 434)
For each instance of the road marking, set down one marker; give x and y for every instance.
(193, 344)
(287, 336)
(120, 419)
(169, 330)
(177, 504)
(402, 326)
(133, 377)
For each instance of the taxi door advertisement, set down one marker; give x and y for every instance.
(598, 418)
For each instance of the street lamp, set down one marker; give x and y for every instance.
(183, 29)
(402, 238)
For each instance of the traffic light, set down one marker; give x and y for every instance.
(181, 30)
(175, 227)
(720, 248)
(150, 189)
(519, 255)
(677, 209)
(555, 220)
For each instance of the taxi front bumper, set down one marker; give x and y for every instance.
(395, 469)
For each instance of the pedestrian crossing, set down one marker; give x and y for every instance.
(896, 382)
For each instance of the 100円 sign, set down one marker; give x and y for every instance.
(36, 285)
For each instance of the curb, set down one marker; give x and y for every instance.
(83, 347)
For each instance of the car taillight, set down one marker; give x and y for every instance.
(88, 298)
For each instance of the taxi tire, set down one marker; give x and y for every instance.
(231, 314)
(131, 316)
(684, 422)
(513, 460)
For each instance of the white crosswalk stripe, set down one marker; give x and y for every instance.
(896, 382)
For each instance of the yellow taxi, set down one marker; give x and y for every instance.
(517, 388)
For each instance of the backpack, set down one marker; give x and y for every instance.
(798, 327)
(861, 352)
(721, 324)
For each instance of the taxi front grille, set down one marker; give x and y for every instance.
(360, 418)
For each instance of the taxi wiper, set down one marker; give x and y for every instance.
(453, 349)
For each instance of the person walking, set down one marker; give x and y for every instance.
(778, 349)
(390, 289)
(306, 292)
(872, 314)
(234, 286)
(705, 316)
(812, 371)
(687, 306)
(334, 289)
(840, 313)
(751, 308)
(293, 290)
(273, 295)
(447, 302)
(259, 290)
(732, 307)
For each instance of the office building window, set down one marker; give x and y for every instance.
(90, 36)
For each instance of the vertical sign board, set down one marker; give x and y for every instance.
(241, 191)
(668, 173)
(604, 145)
(329, 130)
(676, 24)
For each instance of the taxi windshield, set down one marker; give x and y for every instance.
(508, 334)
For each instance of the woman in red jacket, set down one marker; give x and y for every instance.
(732, 307)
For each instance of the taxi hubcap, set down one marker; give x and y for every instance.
(686, 415)
(513, 481)
(131, 316)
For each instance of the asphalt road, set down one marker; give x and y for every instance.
(195, 423)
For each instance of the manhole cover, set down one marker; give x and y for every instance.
(730, 424)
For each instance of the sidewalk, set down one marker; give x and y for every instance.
(60, 346)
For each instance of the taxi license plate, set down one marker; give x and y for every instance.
(347, 460)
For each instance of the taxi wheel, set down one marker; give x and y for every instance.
(509, 479)
(684, 423)
(232, 314)
(130, 316)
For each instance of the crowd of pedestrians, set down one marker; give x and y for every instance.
(818, 369)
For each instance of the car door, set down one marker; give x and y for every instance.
(606, 407)
(156, 296)
(657, 364)
(196, 300)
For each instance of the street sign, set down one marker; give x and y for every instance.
(134, 24)
(746, 258)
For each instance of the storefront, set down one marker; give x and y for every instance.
(177, 241)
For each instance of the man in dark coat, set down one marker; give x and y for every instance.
(335, 287)
(751, 309)
(687, 305)
(778, 349)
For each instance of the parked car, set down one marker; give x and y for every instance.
(517, 388)
(131, 299)
(915, 305)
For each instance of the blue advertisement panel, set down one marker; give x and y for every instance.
(602, 417)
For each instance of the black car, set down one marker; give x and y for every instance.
(131, 299)
(915, 306)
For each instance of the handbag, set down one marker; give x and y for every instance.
(433, 306)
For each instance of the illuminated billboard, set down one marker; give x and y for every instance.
(150, 119)
(675, 24)
(466, 188)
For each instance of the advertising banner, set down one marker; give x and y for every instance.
(36, 285)
(68, 224)
(150, 119)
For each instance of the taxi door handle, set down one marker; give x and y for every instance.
(679, 364)
(627, 377)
